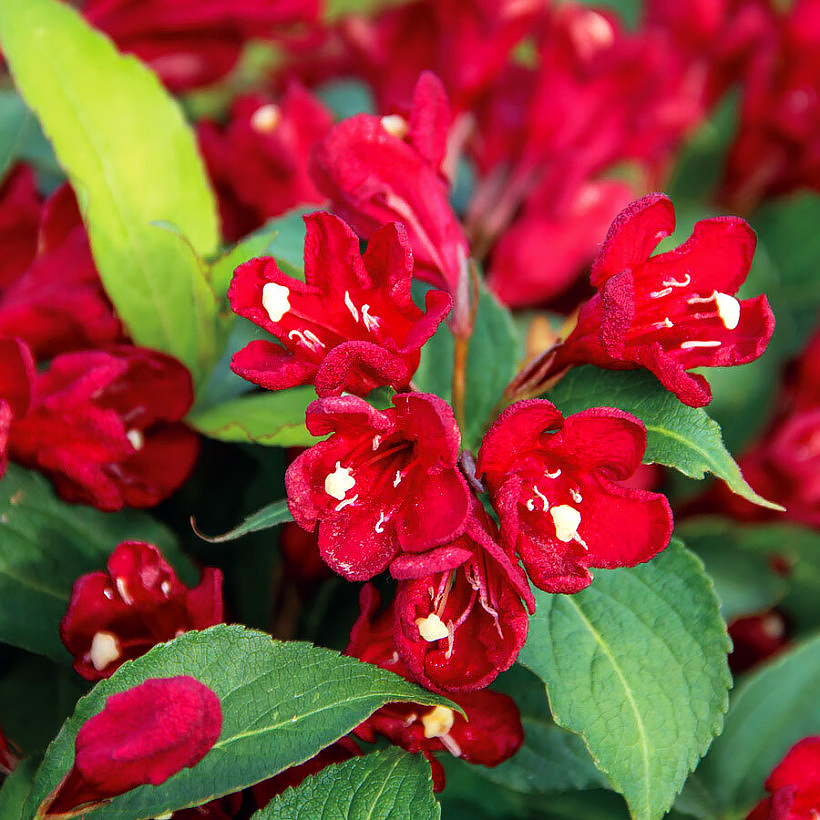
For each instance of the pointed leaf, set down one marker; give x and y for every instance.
(636, 664)
(676, 435)
(281, 703)
(388, 785)
(264, 519)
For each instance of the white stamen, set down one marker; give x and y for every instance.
(673, 283)
(773, 626)
(377, 440)
(165, 586)
(412, 717)
(665, 323)
(275, 300)
(105, 648)
(450, 743)
(123, 590)
(438, 721)
(308, 338)
(136, 439)
(531, 504)
(693, 344)
(354, 311)
(370, 322)
(342, 504)
(339, 481)
(395, 125)
(545, 504)
(109, 593)
(728, 309)
(548, 474)
(398, 478)
(576, 496)
(566, 520)
(432, 628)
(702, 300)
(379, 528)
(657, 294)
(266, 118)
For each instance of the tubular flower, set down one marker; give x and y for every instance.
(794, 785)
(373, 176)
(17, 374)
(457, 629)
(385, 482)
(672, 312)
(118, 615)
(553, 482)
(491, 734)
(350, 326)
(143, 735)
(19, 217)
(105, 426)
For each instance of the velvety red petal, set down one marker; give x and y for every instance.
(360, 367)
(271, 366)
(16, 375)
(430, 119)
(332, 259)
(410, 566)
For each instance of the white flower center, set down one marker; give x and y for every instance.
(105, 649)
(275, 300)
(438, 721)
(728, 309)
(266, 118)
(339, 482)
(395, 125)
(432, 628)
(566, 520)
(136, 439)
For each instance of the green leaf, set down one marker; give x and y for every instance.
(494, 354)
(45, 545)
(133, 162)
(264, 418)
(636, 664)
(21, 137)
(551, 758)
(281, 703)
(16, 787)
(770, 711)
(264, 519)
(388, 785)
(676, 435)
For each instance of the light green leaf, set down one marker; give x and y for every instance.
(388, 785)
(273, 418)
(133, 161)
(636, 664)
(45, 545)
(676, 435)
(770, 711)
(264, 519)
(281, 703)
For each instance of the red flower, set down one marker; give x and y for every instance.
(491, 734)
(118, 615)
(553, 482)
(794, 785)
(59, 305)
(8, 760)
(457, 628)
(385, 482)
(351, 325)
(104, 426)
(19, 217)
(756, 638)
(16, 377)
(258, 162)
(372, 177)
(672, 312)
(143, 735)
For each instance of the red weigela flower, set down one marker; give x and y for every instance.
(105, 426)
(672, 312)
(17, 374)
(385, 482)
(553, 482)
(143, 735)
(118, 615)
(351, 325)
(457, 629)
(794, 785)
(19, 218)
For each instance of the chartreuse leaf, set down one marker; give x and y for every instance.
(495, 351)
(281, 703)
(133, 162)
(264, 418)
(45, 545)
(264, 519)
(388, 785)
(636, 665)
(676, 435)
(770, 711)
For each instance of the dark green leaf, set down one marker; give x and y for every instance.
(388, 785)
(264, 418)
(676, 435)
(16, 787)
(281, 703)
(21, 138)
(771, 710)
(133, 162)
(264, 519)
(45, 545)
(636, 664)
